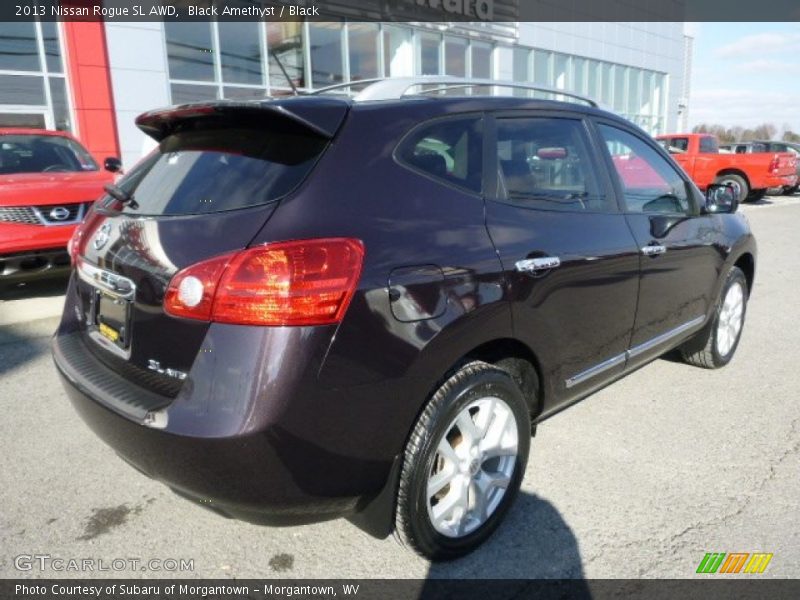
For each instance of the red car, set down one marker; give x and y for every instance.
(48, 181)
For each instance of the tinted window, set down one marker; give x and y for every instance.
(215, 170)
(650, 184)
(449, 150)
(708, 145)
(42, 154)
(544, 163)
(189, 51)
(675, 145)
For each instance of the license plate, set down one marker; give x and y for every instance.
(112, 318)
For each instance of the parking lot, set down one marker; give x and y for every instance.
(640, 480)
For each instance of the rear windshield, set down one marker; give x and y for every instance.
(43, 154)
(208, 171)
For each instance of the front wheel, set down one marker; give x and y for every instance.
(463, 463)
(716, 343)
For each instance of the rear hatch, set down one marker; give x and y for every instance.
(218, 174)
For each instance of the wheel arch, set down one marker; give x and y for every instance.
(737, 172)
(746, 262)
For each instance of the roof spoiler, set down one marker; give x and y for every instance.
(309, 114)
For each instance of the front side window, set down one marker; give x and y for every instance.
(449, 150)
(676, 145)
(43, 154)
(649, 183)
(544, 163)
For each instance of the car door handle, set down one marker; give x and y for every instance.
(653, 250)
(537, 265)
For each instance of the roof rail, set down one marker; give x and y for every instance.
(394, 88)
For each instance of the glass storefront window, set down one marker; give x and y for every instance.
(560, 66)
(184, 93)
(398, 53)
(58, 96)
(22, 90)
(620, 75)
(190, 53)
(286, 56)
(18, 48)
(325, 47)
(363, 50)
(240, 52)
(541, 71)
(52, 49)
(593, 79)
(606, 84)
(481, 60)
(429, 54)
(579, 82)
(455, 56)
(635, 91)
(521, 69)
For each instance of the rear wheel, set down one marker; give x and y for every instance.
(463, 463)
(715, 345)
(737, 182)
(791, 190)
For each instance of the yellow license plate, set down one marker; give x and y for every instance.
(109, 332)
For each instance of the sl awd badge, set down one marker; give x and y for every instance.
(154, 365)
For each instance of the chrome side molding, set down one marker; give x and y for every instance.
(632, 352)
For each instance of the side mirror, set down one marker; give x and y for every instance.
(113, 164)
(721, 198)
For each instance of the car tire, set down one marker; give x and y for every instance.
(738, 183)
(756, 195)
(716, 343)
(791, 190)
(473, 476)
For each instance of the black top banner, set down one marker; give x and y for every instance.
(402, 10)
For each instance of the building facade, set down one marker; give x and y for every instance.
(93, 78)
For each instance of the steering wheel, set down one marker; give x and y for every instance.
(56, 169)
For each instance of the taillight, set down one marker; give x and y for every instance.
(774, 164)
(74, 245)
(304, 282)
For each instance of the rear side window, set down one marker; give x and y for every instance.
(448, 150)
(544, 163)
(214, 170)
(708, 145)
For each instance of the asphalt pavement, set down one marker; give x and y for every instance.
(639, 480)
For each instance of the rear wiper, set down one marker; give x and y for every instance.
(121, 195)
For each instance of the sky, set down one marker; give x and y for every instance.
(745, 74)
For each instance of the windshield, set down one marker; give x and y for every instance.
(207, 171)
(43, 154)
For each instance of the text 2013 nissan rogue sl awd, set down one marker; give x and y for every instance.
(322, 306)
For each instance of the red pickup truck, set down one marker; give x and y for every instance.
(750, 175)
(47, 183)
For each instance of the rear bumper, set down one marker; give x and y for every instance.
(780, 181)
(259, 451)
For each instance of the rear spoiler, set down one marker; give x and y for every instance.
(318, 116)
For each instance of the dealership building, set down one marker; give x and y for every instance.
(94, 78)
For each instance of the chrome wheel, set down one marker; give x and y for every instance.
(473, 466)
(731, 316)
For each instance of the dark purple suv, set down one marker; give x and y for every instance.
(318, 307)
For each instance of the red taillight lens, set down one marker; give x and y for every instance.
(75, 245)
(773, 164)
(305, 282)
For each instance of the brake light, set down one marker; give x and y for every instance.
(774, 164)
(75, 245)
(304, 282)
